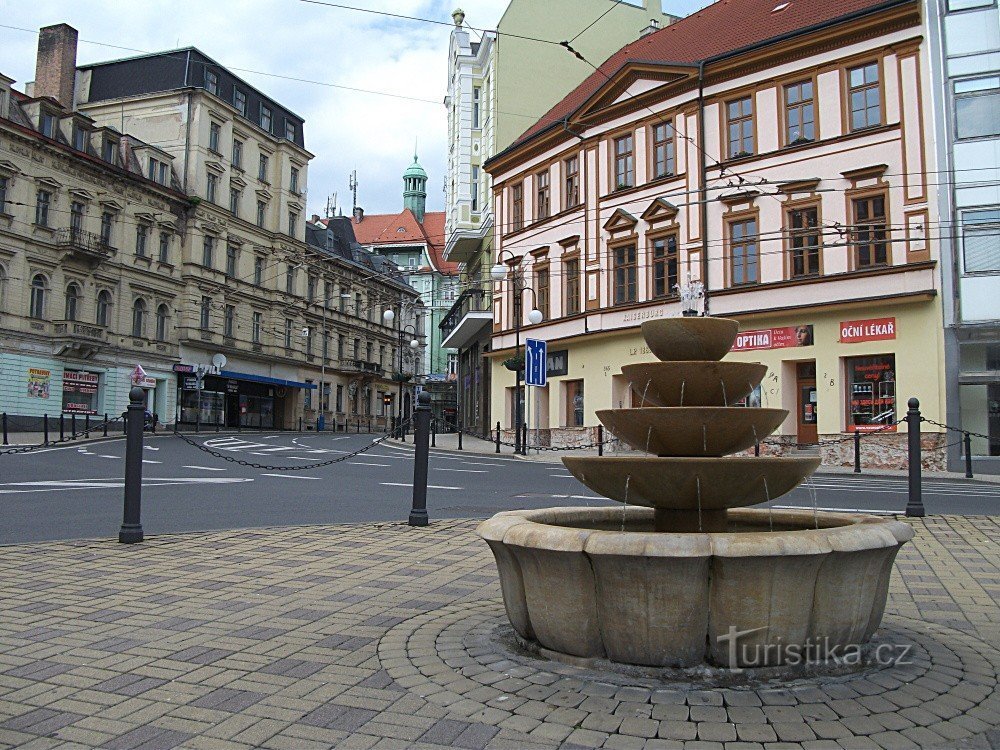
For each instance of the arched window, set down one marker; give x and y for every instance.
(37, 309)
(72, 301)
(103, 307)
(161, 322)
(138, 317)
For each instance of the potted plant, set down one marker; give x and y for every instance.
(401, 377)
(514, 363)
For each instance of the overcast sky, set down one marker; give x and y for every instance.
(345, 130)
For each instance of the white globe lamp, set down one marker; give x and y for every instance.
(535, 317)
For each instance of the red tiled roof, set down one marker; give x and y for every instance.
(404, 229)
(723, 27)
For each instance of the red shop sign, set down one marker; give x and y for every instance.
(874, 329)
(773, 338)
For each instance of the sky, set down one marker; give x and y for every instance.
(327, 48)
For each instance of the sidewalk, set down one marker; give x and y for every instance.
(380, 635)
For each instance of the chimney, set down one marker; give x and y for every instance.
(653, 27)
(55, 66)
(315, 219)
(359, 214)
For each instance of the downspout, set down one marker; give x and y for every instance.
(703, 187)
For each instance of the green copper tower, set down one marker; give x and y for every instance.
(415, 189)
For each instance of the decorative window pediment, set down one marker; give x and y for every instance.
(740, 196)
(660, 210)
(215, 166)
(620, 221)
(83, 195)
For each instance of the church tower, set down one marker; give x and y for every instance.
(415, 189)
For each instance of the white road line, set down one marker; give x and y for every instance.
(150, 448)
(479, 463)
(363, 463)
(562, 476)
(204, 468)
(289, 476)
(68, 485)
(410, 484)
(461, 471)
(147, 461)
(104, 456)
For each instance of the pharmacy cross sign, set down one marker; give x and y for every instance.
(536, 357)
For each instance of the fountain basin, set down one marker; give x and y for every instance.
(674, 483)
(681, 339)
(693, 383)
(578, 585)
(692, 430)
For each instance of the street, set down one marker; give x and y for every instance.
(76, 491)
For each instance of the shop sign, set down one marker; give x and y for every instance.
(79, 392)
(189, 384)
(38, 382)
(138, 375)
(557, 363)
(232, 386)
(178, 367)
(874, 329)
(774, 338)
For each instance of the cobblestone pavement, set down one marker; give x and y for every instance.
(391, 637)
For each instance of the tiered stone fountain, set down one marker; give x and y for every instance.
(671, 583)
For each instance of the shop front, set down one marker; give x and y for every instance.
(236, 400)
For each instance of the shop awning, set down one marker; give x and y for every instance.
(265, 379)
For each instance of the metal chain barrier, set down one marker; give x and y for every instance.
(300, 467)
(955, 429)
(832, 441)
(70, 438)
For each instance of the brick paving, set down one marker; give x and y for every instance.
(383, 636)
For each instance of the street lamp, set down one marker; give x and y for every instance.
(388, 317)
(498, 273)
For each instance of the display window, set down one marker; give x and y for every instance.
(871, 392)
(212, 407)
(80, 391)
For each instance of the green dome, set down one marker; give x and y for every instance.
(415, 170)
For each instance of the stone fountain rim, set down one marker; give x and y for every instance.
(852, 533)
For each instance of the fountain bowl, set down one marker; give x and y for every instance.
(598, 583)
(691, 430)
(684, 339)
(693, 383)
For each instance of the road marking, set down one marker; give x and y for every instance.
(203, 468)
(562, 476)
(147, 461)
(289, 476)
(67, 485)
(104, 456)
(150, 448)
(363, 463)
(410, 484)
(462, 471)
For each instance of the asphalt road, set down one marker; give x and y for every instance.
(76, 491)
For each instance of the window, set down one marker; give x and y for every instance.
(258, 270)
(542, 195)
(234, 201)
(229, 321)
(327, 294)
(37, 303)
(107, 227)
(517, 207)
(739, 125)
(237, 154)
(977, 108)
(368, 351)
(79, 138)
(800, 118)
(340, 346)
(261, 213)
(624, 162)
(72, 301)
(4, 182)
(865, 96)
(289, 130)
(474, 189)
(162, 313)
(212, 191)
(265, 118)
(240, 101)
(109, 151)
(290, 280)
(164, 247)
(42, 202)
(214, 133)
(743, 252)
(572, 267)
(255, 327)
(357, 348)
(574, 403)
(141, 233)
(477, 95)
(206, 313)
(871, 247)
(76, 217)
(138, 317)
(262, 168)
(572, 181)
(311, 288)
(293, 183)
(231, 255)
(340, 398)
(157, 171)
(871, 392)
(48, 125)
(208, 251)
(663, 150)
(665, 266)
(293, 221)
(103, 307)
(542, 291)
(288, 333)
(624, 274)
(212, 82)
(803, 242)
(981, 241)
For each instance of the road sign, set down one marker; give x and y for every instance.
(536, 352)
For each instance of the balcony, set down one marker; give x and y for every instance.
(85, 246)
(466, 320)
(359, 367)
(73, 338)
(464, 243)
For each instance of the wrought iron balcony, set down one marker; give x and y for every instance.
(85, 246)
(471, 313)
(359, 366)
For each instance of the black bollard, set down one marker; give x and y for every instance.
(45, 427)
(914, 502)
(300, 424)
(131, 530)
(460, 438)
(524, 439)
(86, 425)
(968, 455)
(72, 425)
(857, 452)
(105, 424)
(498, 437)
(5, 441)
(756, 448)
(600, 440)
(434, 433)
(62, 427)
(421, 455)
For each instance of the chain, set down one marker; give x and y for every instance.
(40, 446)
(955, 429)
(300, 467)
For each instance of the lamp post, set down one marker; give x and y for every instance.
(388, 316)
(498, 273)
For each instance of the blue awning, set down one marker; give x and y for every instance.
(265, 379)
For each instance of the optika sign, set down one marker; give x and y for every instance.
(876, 329)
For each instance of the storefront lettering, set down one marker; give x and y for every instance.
(639, 315)
(774, 338)
(876, 329)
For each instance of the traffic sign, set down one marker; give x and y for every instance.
(536, 352)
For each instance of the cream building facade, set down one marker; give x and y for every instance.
(783, 166)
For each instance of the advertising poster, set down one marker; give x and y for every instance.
(80, 392)
(39, 382)
(872, 383)
(774, 338)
